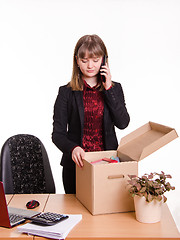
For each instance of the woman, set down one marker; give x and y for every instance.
(87, 109)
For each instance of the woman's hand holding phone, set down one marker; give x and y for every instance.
(105, 71)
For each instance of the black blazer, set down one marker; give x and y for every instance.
(69, 119)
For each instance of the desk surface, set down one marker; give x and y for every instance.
(118, 226)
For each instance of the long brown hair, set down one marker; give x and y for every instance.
(96, 47)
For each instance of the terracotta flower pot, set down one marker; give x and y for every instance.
(147, 212)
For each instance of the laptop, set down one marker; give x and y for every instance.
(10, 216)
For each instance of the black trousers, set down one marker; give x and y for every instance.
(69, 180)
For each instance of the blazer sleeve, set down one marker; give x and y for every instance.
(60, 121)
(114, 98)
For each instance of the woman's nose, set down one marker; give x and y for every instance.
(90, 64)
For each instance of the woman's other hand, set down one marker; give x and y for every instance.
(78, 155)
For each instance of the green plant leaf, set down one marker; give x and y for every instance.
(159, 198)
(144, 178)
(138, 186)
(143, 189)
(165, 198)
(150, 198)
(150, 176)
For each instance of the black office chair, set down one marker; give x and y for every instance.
(24, 166)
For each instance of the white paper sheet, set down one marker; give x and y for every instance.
(57, 231)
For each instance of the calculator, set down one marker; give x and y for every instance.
(47, 218)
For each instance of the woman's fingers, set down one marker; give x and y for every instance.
(77, 156)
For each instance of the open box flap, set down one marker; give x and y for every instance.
(144, 141)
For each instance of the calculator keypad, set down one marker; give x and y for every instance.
(48, 218)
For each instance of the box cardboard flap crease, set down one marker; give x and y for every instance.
(102, 188)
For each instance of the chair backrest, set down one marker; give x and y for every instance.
(25, 166)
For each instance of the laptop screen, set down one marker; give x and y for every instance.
(4, 216)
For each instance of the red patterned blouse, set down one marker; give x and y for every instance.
(93, 119)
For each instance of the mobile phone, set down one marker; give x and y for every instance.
(103, 79)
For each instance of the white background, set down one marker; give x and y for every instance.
(37, 40)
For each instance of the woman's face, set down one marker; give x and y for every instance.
(89, 66)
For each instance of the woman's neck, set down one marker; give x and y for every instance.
(92, 82)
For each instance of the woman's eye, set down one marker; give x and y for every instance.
(96, 60)
(84, 61)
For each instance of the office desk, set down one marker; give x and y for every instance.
(119, 226)
(20, 201)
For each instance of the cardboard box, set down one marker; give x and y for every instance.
(102, 188)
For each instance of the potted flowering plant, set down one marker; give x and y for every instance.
(148, 192)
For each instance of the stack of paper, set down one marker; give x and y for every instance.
(57, 231)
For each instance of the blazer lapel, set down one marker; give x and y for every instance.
(80, 106)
